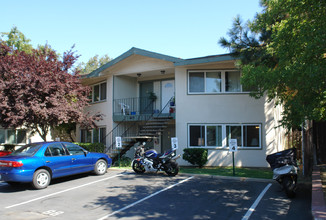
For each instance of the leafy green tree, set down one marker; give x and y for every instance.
(92, 64)
(16, 40)
(282, 54)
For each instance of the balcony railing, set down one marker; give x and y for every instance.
(138, 108)
(134, 106)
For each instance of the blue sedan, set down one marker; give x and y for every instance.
(38, 163)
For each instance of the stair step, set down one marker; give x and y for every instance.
(151, 135)
(154, 126)
(163, 117)
(151, 130)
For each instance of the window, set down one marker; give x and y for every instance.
(214, 81)
(85, 136)
(218, 135)
(27, 150)
(93, 136)
(205, 135)
(74, 149)
(196, 82)
(232, 81)
(208, 82)
(99, 92)
(197, 135)
(214, 136)
(55, 150)
(11, 136)
(233, 132)
(251, 135)
(2, 136)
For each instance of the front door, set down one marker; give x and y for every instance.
(167, 94)
(146, 105)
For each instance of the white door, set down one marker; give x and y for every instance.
(167, 93)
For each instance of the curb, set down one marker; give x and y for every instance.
(318, 207)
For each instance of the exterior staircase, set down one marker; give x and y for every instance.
(155, 126)
(152, 127)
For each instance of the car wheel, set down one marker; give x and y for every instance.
(41, 179)
(101, 167)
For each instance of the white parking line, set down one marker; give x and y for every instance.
(147, 197)
(254, 205)
(63, 191)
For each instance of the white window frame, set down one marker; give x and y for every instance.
(16, 135)
(223, 82)
(101, 99)
(224, 136)
(92, 134)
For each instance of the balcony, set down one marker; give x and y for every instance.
(140, 109)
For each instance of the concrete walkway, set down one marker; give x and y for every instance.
(318, 206)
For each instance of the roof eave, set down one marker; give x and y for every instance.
(129, 53)
(203, 60)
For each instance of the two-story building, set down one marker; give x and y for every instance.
(200, 101)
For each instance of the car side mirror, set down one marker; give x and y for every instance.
(85, 152)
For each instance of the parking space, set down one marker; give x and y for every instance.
(125, 195)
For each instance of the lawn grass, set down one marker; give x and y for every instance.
(263, 173)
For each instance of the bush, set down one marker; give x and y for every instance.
(195, 156)
(92, 147)
(124, 162)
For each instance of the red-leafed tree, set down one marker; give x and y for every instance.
(39, 90)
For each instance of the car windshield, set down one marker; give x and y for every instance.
(27, 150)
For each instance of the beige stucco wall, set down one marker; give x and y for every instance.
(223, 109)
(103, 107)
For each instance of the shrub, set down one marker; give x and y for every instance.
(195, 156)
(92, 147)
(124, 162)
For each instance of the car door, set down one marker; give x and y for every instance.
(58, 160)
(80, 160)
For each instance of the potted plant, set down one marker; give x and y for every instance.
(152, 96)
(172, 101)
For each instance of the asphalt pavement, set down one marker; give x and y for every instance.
(122, 194)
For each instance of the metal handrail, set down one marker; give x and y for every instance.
(111, 146)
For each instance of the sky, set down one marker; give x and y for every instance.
(179, 28)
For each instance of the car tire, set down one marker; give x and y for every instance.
(41, 179)
(100, 167)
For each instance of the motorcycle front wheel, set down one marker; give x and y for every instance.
(172, 168)
(138, 167)
(289, 183)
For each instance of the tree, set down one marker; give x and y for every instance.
(92, 64)
(37, 91)
(16, 40)
(282, 54)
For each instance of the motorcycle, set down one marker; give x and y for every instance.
(285, 169)
(151, 161)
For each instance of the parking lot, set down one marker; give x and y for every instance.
(126, 195)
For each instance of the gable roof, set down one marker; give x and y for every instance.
(132, 51)
(146, 53)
